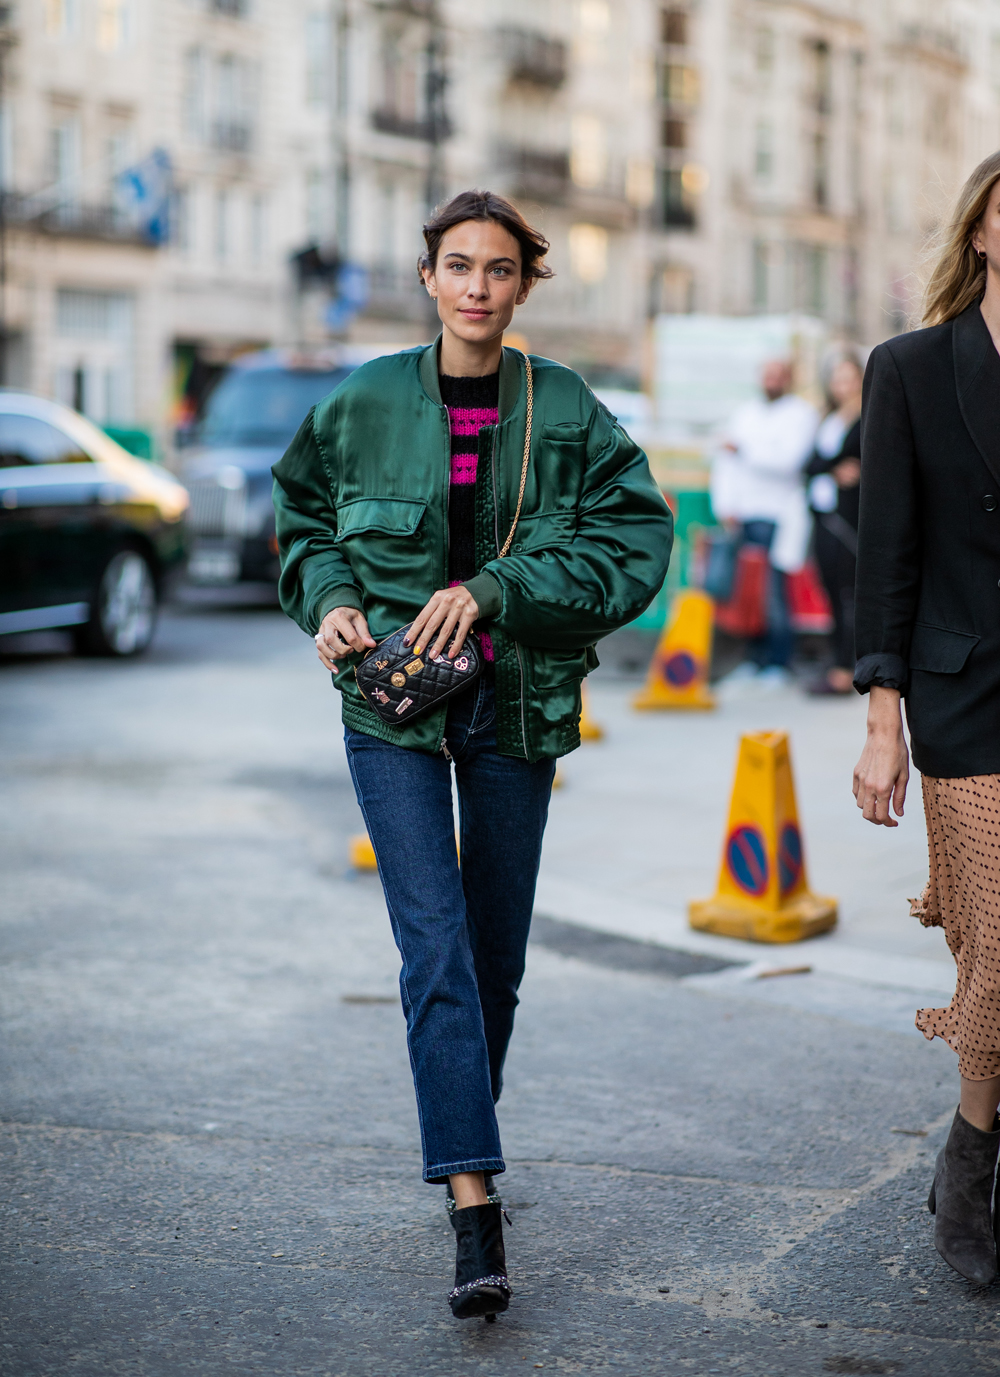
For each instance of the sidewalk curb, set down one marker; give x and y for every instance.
(570, 903)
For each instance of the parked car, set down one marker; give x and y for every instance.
(249, 422)
(89, 536)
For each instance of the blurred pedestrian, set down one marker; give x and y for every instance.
(378, 527)
(757, 491)
(928, 629)
(835, 474)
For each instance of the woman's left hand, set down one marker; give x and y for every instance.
(450, 612)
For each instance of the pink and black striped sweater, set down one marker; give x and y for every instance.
(472, 403)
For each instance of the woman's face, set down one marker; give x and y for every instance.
(845, 383)
(987, 235)
(477, 280)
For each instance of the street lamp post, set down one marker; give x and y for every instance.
(8, 39)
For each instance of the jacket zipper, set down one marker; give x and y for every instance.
(496, 542)
(447, 541)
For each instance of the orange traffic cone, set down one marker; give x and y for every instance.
(678, 671)
(762, 895)
(362, 853)
(589, 729)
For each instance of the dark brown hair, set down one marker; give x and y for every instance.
(485, 205)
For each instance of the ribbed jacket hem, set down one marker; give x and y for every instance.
(344, 596)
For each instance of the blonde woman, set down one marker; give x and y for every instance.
(928, 630)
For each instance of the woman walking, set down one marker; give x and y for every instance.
(464, 490)
(834, 472)
(928, 628)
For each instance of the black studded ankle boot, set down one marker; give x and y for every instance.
(961, 1199)
(492, 1196)
(481, 1285)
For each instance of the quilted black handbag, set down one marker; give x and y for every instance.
(399, 685)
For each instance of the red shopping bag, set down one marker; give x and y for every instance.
(744, 613)
(808, 605)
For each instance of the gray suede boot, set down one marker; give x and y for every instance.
(961, 1199)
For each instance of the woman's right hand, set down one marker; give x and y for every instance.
(342, 630)
(882, 773)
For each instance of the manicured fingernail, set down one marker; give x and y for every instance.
(417, 649)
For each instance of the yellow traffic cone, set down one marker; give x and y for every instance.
(762, 895)
(362, 853)
(678, 671)
(589, 729)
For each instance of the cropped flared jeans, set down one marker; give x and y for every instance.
(461, 931)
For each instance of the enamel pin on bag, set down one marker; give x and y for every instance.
(397, 683)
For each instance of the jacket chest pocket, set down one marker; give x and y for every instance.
(379, 517)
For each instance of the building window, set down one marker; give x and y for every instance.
(761, 285)
(180, 220)
(674, 133)
(764, 51)
(589, 156)
(315, 206)
(674, 27)
(114, 24)
(814, 265)
(220, 100)
(678, 84)
(220, 238)
(822, 77)
(820, 179)
(763, 158)
(6, 146)
(319, 37)
(588, 253)
(62, 18)
(65, 162)
(675, 203)
(258, 229)
(93, 351)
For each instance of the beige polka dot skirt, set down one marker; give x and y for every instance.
(963, 897)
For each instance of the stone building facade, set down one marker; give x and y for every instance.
(727, 156)
(808, 152)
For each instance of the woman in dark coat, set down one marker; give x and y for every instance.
(834, 472)
(928, 630)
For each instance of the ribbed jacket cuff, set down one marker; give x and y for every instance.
(487, 593)
(344, 596)
(881, 671)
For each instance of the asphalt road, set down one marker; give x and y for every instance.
(207, 1119)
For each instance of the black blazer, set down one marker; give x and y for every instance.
(928, 586)
(847, 498)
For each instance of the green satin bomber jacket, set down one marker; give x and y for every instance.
(361, 503)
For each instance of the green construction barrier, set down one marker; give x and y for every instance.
(692, 511)
(139, 442)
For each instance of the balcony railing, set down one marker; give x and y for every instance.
(73, 219)
(536, 172)
(232, 136)
(410, 126)
(534, 57)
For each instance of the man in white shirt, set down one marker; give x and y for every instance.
(757, 488)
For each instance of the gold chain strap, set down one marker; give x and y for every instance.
(524, 466)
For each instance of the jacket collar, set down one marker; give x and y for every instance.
(977, 380)
(511, 375)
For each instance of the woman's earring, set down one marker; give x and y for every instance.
(982, 254)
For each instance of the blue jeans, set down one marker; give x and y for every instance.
(778, 641)
(462, 932)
